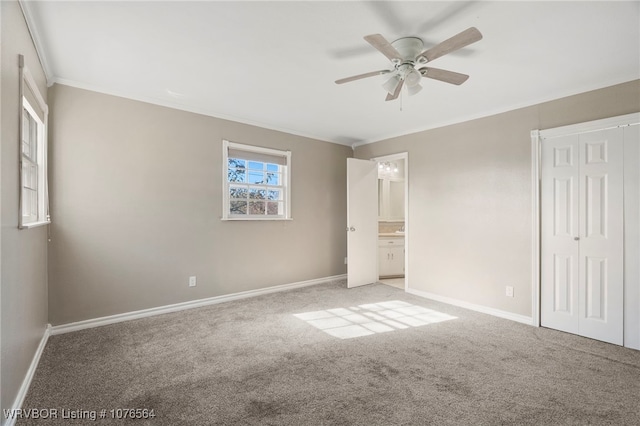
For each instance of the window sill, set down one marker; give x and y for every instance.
(34, 224)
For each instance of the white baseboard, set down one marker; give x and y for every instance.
(112, 319)
(473, 307)
(26, 383)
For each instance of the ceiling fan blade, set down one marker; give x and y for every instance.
(359, 76)
(444, 75)
(458, 41)
(380, 43)
(396, 93)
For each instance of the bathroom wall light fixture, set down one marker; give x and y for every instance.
(388, 166)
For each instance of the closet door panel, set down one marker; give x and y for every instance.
(601, 235)
(559, 227)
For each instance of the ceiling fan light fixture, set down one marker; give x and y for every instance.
(391, 84)
(412, 90)
(408, 59)
(412, 78)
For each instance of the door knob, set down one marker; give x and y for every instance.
(352, 229)
(576, 238)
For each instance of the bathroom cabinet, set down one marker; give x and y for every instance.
(391, 257)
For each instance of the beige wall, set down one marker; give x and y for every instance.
(470, 197)
(24, 252)
(136, 205)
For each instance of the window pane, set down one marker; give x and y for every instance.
(256, 177)
(30, 203)
(237, 175)
(257, 194)
(274, 208)
(254, 165)
(236, 170)
(272, 167)
(237, 163)
(256, 207)
(238, 192)
(273, 178)
(26, 202)
(29, 175)
(273, 195)
(238, 207)
(25, 133)
(33, 138)
(26, 178)
(34, 177)
(34, 203)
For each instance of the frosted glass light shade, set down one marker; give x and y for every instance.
(391, 84)
(412, 90)
(413, 78)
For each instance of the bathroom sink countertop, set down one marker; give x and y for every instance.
(391, 234)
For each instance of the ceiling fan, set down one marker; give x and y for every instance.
(408, 60)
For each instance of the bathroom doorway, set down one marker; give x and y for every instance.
(393, 207)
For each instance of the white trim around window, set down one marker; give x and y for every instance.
(256, 182)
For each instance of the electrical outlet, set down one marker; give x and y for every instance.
(345, 260)
(192, 281)
(509, 291)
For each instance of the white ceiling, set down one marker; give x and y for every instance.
(273, 63)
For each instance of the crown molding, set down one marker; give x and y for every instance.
(27, 12)
(181, 107)
(496, 111)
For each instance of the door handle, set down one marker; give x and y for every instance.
(352, 229)
(576, 238)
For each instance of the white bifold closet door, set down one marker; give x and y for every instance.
(582, 244)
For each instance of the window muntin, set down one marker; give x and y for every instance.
(256, 184)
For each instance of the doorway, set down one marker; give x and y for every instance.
(393, 207)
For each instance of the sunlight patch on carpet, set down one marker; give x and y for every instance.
(372, 318)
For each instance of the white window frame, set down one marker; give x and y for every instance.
(285, 181)
(41, 216)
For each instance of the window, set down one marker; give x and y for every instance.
(34, 210)
(256, 183)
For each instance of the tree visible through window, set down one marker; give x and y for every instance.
(256, 184)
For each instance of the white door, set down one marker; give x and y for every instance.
(582, 255)
(362, 222)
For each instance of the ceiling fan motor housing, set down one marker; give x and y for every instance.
(408, 48)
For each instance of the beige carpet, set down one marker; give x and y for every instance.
(327, 355)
